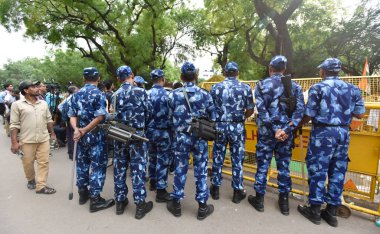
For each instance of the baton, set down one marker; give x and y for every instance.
(73, 167)
(303, 167)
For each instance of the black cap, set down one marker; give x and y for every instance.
(27, 83)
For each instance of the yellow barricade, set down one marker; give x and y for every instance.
(362, 178)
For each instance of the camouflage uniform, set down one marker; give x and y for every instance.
(132, 108)
(331, 104)
(272, 116)
(231, 98)
(158, 133)
(202, 106)
(88, 103)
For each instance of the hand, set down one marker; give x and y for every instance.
(53, 136)
(77, 134)
(281, 135)
(15, 147)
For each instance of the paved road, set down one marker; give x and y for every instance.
(23, 211)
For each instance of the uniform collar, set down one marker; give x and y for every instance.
(332, 78)
(189, 84)
(277, 75)
(89, 85)
(231, 78)
(157, 86)
(126, 84)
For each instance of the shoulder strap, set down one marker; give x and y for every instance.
(187, 99)
(114, 102)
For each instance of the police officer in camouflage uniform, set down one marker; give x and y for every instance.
(275, 132)
(133, 109)
(158, 132)
(202, 107)
(88, 106)
(233, 103)
(331, 105)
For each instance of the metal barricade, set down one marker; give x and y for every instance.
(363, 176)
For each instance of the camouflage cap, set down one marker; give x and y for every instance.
(91, 72)
(157, 73)
(231, 67)
(278, 62)
(140, 80)
(123, 72)
(331, 64)
(188, 68)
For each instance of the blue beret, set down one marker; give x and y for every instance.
(157, 73)
(140, 80)
(91, 72)
(188, 68)
(278, 62)
(123, 72)
(331, 64)
(231, 67)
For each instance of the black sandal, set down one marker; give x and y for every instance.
(46, 190)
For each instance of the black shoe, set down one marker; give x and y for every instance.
(257, 202)
(71, 157)
(214, 191)
(163, 196)
(120, 206)
(99, 203)
(83, 196)
(312, 213)
(283, 203)
(204, 210)
(152, 185)
(31, 184)
(329, 215)
(174, 207)
(143, 208)
(239, 195)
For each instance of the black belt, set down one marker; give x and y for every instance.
(159, 128)
(242, 121)
(330, 125)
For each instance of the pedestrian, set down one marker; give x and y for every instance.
(87, 109)
(159, 135)
(64, 107)
(140, 82)
(132, 107)
(181, 115)
(42, 89)
(5, 99)
(276, 122)
(331, 105)
(233, 104)
(31, 119)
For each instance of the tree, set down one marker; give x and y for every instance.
(357, 38)
(138, 33)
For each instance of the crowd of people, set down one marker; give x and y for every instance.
(165, 117)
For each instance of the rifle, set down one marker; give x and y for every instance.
(120, 132)
(289, 98)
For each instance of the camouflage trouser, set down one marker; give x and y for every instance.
(91, 167)
(159, 148)
(234, 135)
(327, 157)
(135, 155)
(199, 149)
(266, 146)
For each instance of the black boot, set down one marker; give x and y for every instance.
(31, 184)
(120, 206)
(174, 207)
(329, 215)
(312, 213)
(162, 196)
(152, 185)
(83, 196)
(214, 191)
(143, 208)
(99, 203)
(283, 203)
(257, 202)
(204, 210)
(238, 196)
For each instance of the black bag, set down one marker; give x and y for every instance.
(202, 128)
